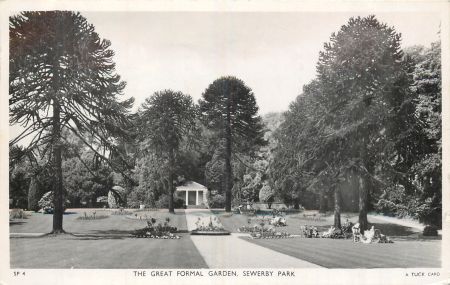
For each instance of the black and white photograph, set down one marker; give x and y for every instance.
(225, 145)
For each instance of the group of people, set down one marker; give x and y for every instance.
(369, 236)
(347, 230)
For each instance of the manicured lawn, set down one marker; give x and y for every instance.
(333, 253)
(102, 243)
(40, 223)
(93, 252)
(105, 243)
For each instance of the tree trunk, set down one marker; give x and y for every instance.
(228, 171)
(296, 205)
(171, 179)
(363, 188)
(363, 191)
(57, 166)
(337, 208)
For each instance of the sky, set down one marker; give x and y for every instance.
(275, 54)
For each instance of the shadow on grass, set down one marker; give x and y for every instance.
(403, 233)
(14, 223)
(97, 237)
(110, 232)
(394, 229)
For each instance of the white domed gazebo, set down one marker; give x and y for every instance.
(193, 193)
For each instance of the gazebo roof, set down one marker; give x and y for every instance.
(191, 186)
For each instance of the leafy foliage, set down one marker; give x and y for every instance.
(266, 194)
(168, 123)
(229, 108)
(367, 117)
(33, 195)
(216, 200)
(62, 75)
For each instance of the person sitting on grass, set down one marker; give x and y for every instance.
(356, 231)
(368, 235)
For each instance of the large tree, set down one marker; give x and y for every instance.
(167, 120)
(353, 120)
(62, 75)
(365, 86)
(229, 108)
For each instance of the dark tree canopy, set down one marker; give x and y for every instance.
(62, 75)
(229, 108)
(356, 119)
(167, 120)
(56, 57)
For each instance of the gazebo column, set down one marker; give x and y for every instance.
(196, 197)
(187, 201)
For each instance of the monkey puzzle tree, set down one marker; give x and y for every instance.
(62, 75)
(229, 108)
(167, 119)
(364, 90)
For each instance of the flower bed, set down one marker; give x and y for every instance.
(157, 231)
(269, 234)
(209, 226)
(261, 231)
(345, 231)
(275, 221)
(310, 232)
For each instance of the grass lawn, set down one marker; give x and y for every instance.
(114, 224)
(101, 243)
(332, 253)
(67, 251)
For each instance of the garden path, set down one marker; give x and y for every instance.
(234, 252)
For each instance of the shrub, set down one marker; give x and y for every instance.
(163, 202)
(430, 231)
(217, 201)
(17, 214)
(266, 194)
(102, 201)
(46, 202)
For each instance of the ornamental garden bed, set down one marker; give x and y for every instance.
(209, 225)
(157, 230)
(262, 231)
